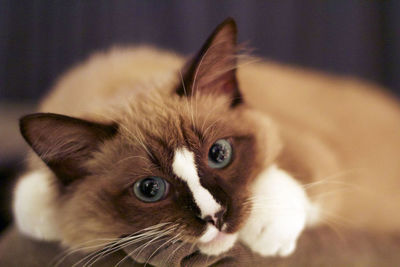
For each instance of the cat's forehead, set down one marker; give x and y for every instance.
(178, 120)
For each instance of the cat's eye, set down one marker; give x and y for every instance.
(151, 189)
(220, 154)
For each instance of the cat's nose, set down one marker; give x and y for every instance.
(217, 219)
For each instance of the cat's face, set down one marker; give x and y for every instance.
(177, 161)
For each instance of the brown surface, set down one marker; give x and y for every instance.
(320, 247)
(18, 250)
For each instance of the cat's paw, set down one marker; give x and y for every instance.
(273, 239)
(278, 215)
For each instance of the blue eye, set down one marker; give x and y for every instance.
(151, 189)
(220, 154)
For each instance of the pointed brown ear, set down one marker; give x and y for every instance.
(63, 142)
(213, 69)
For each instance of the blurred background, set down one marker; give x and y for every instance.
(40, 39)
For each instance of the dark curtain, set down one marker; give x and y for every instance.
(39, 39)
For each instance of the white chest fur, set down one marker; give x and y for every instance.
(279, 215)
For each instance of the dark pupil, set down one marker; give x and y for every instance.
(149, 187)
(218, 153)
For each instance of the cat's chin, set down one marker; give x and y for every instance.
(214, 242)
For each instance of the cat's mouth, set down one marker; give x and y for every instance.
(215, 242)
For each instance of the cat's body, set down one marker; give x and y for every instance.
(332, 149)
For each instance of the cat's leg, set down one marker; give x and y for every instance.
(280, 212)
(34, 205)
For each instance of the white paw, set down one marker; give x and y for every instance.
(278, 215)
(272, 241)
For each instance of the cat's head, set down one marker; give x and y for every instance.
(176, 162)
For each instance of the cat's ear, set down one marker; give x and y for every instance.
(213, 69)
(63, 142)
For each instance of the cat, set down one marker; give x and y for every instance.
(211, 152)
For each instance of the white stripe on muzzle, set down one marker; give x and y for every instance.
(185, 168)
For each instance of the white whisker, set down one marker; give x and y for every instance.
(119, 243)
(166, 261)
(186, 98)
(171, 240)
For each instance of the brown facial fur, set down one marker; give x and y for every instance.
(104, 199)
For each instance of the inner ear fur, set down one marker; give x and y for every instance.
(213, 69)
(63, 142)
